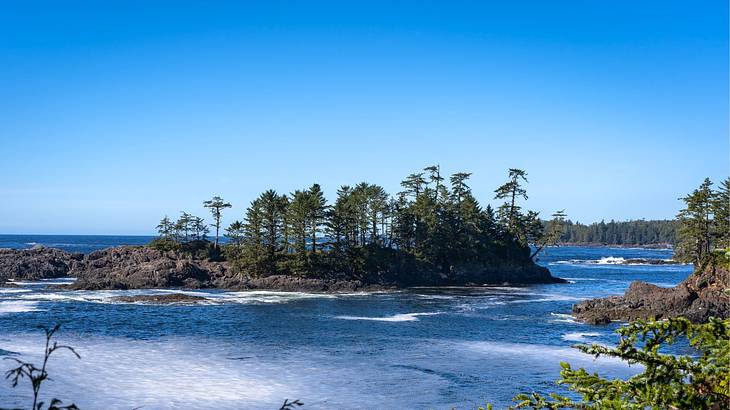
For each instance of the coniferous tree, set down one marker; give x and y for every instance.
(166, 228)
(696, 225)
(298, 220)
(511, 191)
(236, 233)
(216, 205)
(721, 211)
(317, 213)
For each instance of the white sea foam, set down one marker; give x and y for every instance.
(615, 260)
(563, 318)
(17, 306)
(403, 317)
(548, 353)
(549, 297)
(13, 290)
(205, 373)
(211, 297)
(578, 336)
(44, 282)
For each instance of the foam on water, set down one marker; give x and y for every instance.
(211, 297)
(548, 354)
(578, 336)
(403, 317)
(13, 290)
(563, 318)
(14, 306)
(44, 282)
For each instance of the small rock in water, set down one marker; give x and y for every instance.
(163, 299)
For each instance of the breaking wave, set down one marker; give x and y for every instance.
(404, 317)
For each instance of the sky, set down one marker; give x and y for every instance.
(116, 113)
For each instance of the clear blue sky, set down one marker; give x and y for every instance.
(115, 113)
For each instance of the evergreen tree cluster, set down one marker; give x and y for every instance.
(189, 233)
(432, 226)
(638, 232)
(704, 223)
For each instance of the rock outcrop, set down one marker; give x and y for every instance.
(128, 267)
(36, 263)
(706, 293)
(170, 298)
(140, 267)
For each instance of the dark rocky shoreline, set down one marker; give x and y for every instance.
(705, 294)
(139, 267)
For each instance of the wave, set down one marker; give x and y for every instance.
(13, 290)
(44, 282)
(549, 353)
(578, 336)
(18, 306)
(549, 297)
(403, 317)
(210, 297)
(564, 318)
(618, 260)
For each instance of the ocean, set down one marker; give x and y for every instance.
(421, 348)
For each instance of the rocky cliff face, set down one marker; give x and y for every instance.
(706, 293)
(36, 263)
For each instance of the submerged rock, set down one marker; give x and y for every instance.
(160, 299)
(701, 296)
(36, 263)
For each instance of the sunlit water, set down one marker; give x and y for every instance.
(419, 348)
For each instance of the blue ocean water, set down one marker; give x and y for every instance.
(71, 243)
(416, 348)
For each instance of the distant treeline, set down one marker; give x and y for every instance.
(638, 232)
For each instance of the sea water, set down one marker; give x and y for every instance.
(416, 348)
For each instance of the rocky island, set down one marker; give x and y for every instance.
(705, 294)
(430, 234)
(135, 267)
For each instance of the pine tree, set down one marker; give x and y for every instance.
(216, 205)
(512, 190)
(721, 211)
(317, 213)
(696, 225)
(165, 228)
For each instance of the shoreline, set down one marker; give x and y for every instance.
(658, 246)
(138, 267)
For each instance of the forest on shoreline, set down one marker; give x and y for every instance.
(433, 231)
(620, 233)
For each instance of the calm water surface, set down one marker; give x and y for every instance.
(420, 348)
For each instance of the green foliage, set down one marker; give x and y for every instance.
(38, 375)
(639, 232)
(697, 381)
(429, 228)
(216, 205)
(187, 235)
(704, 223)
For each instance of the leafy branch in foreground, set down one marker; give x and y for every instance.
(699, 381)
(38, 375)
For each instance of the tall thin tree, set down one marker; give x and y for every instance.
(216, 205)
